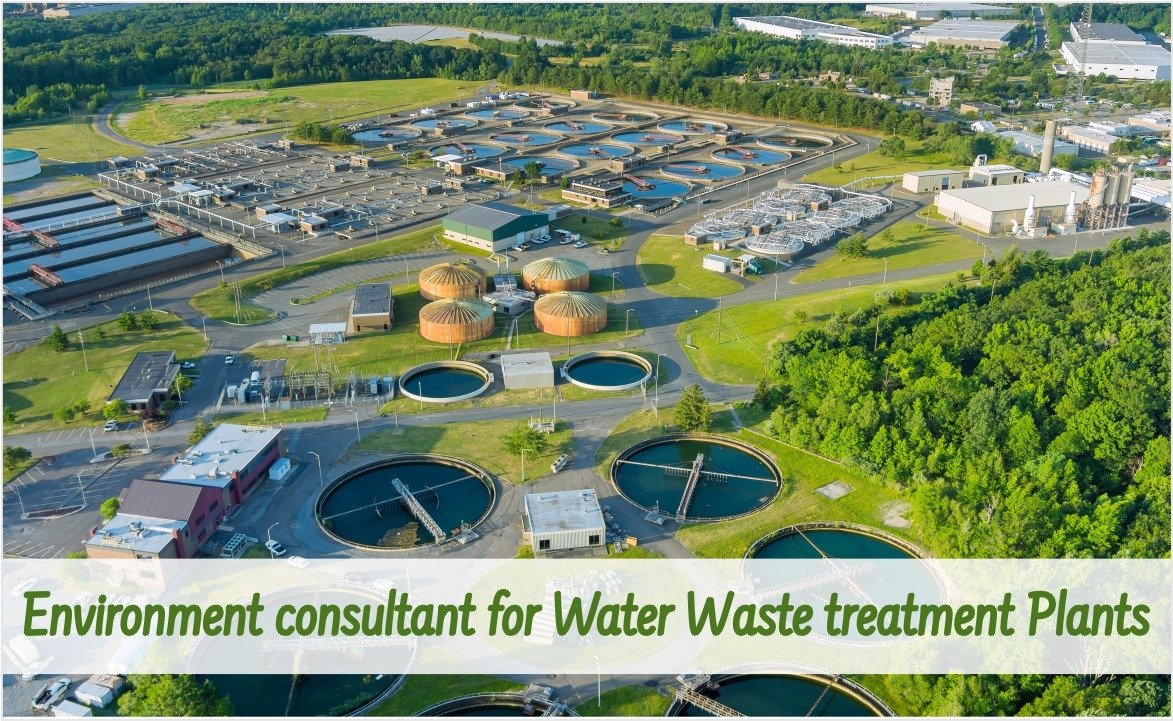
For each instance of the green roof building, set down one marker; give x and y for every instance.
(494, 226)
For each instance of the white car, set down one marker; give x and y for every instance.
(26, 584)
(297, 562)
(566, 240)
(188, 365)
(110, 426)
(275, 548)
(229, 359)
(581, 244)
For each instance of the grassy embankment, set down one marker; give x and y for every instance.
(670, 267)
(873, 164)
(68, 140)
(418, 692)
(912, 245)
(626, 701)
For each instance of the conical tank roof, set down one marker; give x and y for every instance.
(456, 311)
(555, 269)
(452, 274)
(570, 304)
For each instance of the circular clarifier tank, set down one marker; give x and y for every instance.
(701, 172)
(546, 163)
(524, 139)
(386, 135)
(783, 695)
(467, 150)
(607, 370)
(812, 543)
(444, 381)
(735, 478)
(616, 116)
(795, 142)
(601, 151)
(299, 695)
(490, 704)
(655, 188)
(365, 507)
(577, 127)
(750, 155)
(644, 139)
(690, 126)
(441, 123)
(497, 114)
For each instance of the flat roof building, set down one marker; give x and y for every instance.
(527, 370)
(1121, 60)
(605, 191)
(1085, 137)
(979, 108)
(996, 175)
(373, 308)
(931, 181)
(984, 34)
(494, 226)
(1157, 120)
(136, 537)
(147, 381)
(996, 209)
(560, 520)
(792, 28)
(200, 508)
(933, 11)
(1030, 144)
(232, 458)
(1114, 33)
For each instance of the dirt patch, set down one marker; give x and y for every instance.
(894, 514)
(200, 98)
(835, 490)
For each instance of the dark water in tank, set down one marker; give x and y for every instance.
(488, 710)
(444, 382)
(781, 696)
(713, 498)
(322, 695)
(607, 371)
(833, 542)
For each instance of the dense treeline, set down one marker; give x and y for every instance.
(1027, 417)
(1033, 695)
(56, 99)
(1141, 17)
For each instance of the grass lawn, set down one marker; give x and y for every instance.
(736, 352)
(626, 701)
(219, 302)
(912, 245)
(165, 120)
(873, 163)
(38, 381)
(272, 417)
(479, 442)
(53, 180)
(670, 267)
(68, 140)
(594, 230)
(418, 692)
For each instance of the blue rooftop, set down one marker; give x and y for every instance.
(17, 155)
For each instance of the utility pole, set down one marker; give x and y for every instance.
(150, 303)
(82, 340)
(720, 320)
(775, 285)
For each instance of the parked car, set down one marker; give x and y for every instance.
(275, 548)
(297, 562)
(517, 248)
(50, 694)
(229, 359)
(581, 244)
(559, 463)
(188, 365)
(566, 240)
(110, 426)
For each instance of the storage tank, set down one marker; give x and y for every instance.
(1124, 190)
(571, 313)
(456, 320)
(550, 275)
(1095, 198)
(452, 280)
(1111, 188)
(1048, 146)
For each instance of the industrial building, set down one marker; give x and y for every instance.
(933, 11)
(792, 28)
(931, 181)
(147, 381)
(198, 510)
(941, 91)
(452, 280)
(1000, 209)
(327, 333)
(494, 226)
(232, 458)
(569, 314)
(20, 164)
(1121, 60)
(1157, 121)
(605, 191)
(979, 108)
(527, 370)
(136, 537)
(984, 34)
(1031, 144)
(1085, 137)
(1111, 33)
(373, 308)
(563, 520)
(456, 320)
(991, 175)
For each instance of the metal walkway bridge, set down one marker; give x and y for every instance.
(694, 477)
(416, 509)
(689, 695)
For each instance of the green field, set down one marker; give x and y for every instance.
(54, 180)
(912, 245)
(479, 442)
(38, 381)
(168, 120)
(735, 350)
(874, 164)
(593, 230)
(626, 701)
(219, 302)
(275, 417)
(67, 140)
(670, 267)
(418, 692)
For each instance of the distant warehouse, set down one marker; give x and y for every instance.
(933, 11)
(494, 226)
(1122, 60)
(792, 28)
(995, 209)
(984, 34)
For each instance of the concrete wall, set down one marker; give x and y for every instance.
(562, 540)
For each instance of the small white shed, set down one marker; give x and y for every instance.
(280, 469)
(327, 333)
(527, 370)
(714, 262)
(71, 709)
(559, 520)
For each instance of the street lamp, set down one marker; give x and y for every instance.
(356, 430)
(146, 435)
(92, 446)
(321, 478)
(614, 277)
(658, 357)
(523, 466)
(269, 538)
(81, 488)
(885, 271)
(221, 265)
(627, 321)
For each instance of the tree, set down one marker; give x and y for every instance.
(122, 450)
(9, 415)
(182, 384)
(524, 438)
(564, 183)
(57, 341)
(855, 246)
(893, 147)
(142, 92)
(127, 320)
(147, 321)
(199, 431)
(114, 410)
(64, 414)
(172, 695)
(109, 508)
(692, 411)
(99, 334)
(15, 456)
(533, 170)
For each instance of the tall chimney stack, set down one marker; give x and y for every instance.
(1048, 146)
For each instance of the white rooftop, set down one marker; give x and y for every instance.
(966, 29)
(1122, 54)
(563, 511)
(184, 187)
(996, 198)
(787, 21)
(229, 448)
(448, 158)
(958, 9)
(526, 363)
(141, 533)
(932, 173)
(278, 218)
(996, 169)
(327, 328)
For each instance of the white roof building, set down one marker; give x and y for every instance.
(1032, 145)
(983, 126)
(1114, 33)
(792, 28)
(559, 520)
(988, 34)
(932, 11)
(1122, 60)
(229, 449)
(996, 209)
(527, 370)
